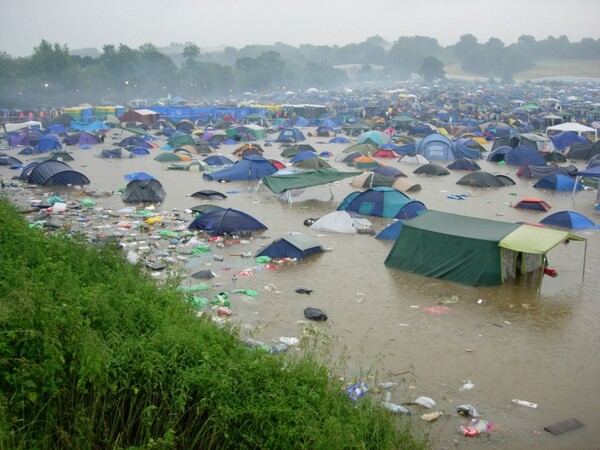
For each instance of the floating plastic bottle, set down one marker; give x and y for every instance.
(476, 428)
(395, 408)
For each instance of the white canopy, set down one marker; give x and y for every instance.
(573, 126)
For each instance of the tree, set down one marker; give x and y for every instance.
(191, 53)
(432, 68)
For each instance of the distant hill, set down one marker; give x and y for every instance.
(548, 68)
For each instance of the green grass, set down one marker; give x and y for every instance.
(94, 354)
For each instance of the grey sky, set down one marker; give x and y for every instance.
(215, 23)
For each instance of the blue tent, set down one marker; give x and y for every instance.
(250, 167)
(139, 151)
(297, 246)
(436, 146)
(558, 182)
(226, 221)
(499, 154)
(48, 142)
(134, 141)
(52, 172)
(303, 155)
(564, 140)
(339, 140)
(569, 219)
(218, 160)
(524, 154)
(391, 232)
(55, 129)
(91, 126)
(137, 176)
(381, 201)
(290, 135)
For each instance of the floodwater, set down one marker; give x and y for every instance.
(510, 341)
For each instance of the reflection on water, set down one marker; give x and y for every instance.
(511, 341)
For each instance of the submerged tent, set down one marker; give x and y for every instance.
(381, 201)
(290, 135)
(250, 167)
(534, 203)
(284, 183)
(484, 179)
(471, 251)
(53, 172)
(144, 191)
(391, 232)
(296, 246)
(451, 247)
(341, 222)
(226, 221)
(569, 219)
(558, 182)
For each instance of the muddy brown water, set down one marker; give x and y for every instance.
(510, 341)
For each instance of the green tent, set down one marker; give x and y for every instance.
(451, 247)
(239, 131)
(299, 180)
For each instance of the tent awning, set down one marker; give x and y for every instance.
(530, 239)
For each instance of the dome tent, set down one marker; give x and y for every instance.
(144, 191)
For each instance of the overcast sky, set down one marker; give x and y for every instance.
(212, 24)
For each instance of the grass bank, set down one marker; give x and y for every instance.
(94, 354)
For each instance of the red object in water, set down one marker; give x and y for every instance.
(550, 272)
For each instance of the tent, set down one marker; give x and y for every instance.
(250, 167)
(534, 203)
(290, 135)
(391, 231)
(209, 194)
(436, 146)
(111, 153)
(558, 182)
(248, 132)
(145, 190)
(297, 246)
(292, 150)
(589, 172)
(414, 158)
(82, 138)
(499, 154)
(8, 160)
(374, 137)
(569, 219)
(370, 179)
(584, 151)
(48, 142)
(365, 162)
(578, 128)
(248, 149)
(226, 221)
(528, 171)
(179, 139)
(285, 183)
(341, 222)
(312, 163)
(52, 172)
(218, 160)
(431, 169)
(134, 141)
(464, 164)
(451, 247)
(566, 139)
(524, 154)
(382, 201)
(388, 171)
(365, 149)
(484, 179)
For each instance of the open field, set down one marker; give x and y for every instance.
(546, 68)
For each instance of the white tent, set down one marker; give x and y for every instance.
(578, 128)
(341, 222)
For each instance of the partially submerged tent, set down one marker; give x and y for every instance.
(558, 182)
(296, 246)
(484, 179)
(569, 219)
(144, 191)
(533, 203)
(52, 173)
(226, 221)
(341, 222)
(279, 184)
(381, 201)
(451, 247)
(250, 167)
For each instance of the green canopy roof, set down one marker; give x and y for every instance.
(282, 183)
(530, 239)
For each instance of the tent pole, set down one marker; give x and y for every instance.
(584, 256)
(330, 191)
(288, 194)
(577, 178)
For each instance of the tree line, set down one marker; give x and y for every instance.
(53, 74)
